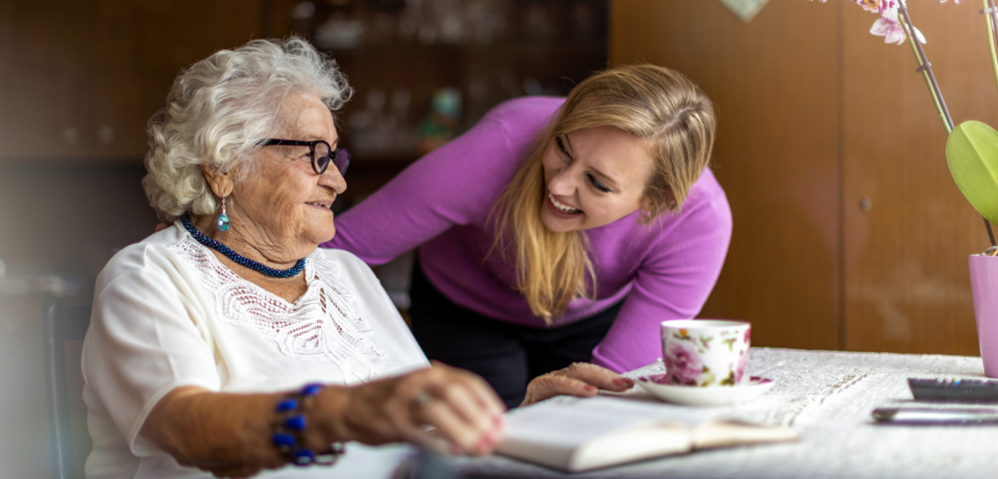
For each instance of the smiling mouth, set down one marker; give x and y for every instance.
(568, 210)
(320, 204)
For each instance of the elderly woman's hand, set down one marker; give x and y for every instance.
(579, 379)
(466, 412)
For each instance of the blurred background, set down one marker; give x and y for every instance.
(849, 232)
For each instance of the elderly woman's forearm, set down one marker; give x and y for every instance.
(222, 432)
(209, 430)
(218, 431)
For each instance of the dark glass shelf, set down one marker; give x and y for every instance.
(512, 47)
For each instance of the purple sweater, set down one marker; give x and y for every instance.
(440, 204)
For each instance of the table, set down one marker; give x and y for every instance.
(827, 398)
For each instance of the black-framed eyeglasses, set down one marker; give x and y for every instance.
(321, 153)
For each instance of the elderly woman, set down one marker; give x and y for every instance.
(230, 343)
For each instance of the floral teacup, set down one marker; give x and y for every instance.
(705, 352)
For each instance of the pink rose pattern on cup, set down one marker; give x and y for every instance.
(683, 364)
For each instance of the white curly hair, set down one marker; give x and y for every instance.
(219, 109)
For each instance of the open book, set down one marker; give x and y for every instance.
(574, 434)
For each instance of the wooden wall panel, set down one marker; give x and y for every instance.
(849, 231)
(907, 285)
(775, 83)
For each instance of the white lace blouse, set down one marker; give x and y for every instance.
(167, 313)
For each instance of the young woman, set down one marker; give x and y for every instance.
(557, 230)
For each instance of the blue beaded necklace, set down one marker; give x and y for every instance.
(238, 258)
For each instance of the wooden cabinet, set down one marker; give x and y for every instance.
(537, 47)
(849, 232)
(79, 80)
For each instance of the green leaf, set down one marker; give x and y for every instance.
(972, 155)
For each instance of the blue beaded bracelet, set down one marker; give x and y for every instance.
(289, 429)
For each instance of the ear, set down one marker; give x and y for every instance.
(646, 205)
(220, 182)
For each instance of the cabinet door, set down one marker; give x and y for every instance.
(908, 229)
(46, 61)
(773, 82)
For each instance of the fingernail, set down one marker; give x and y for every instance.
(497, 420)
(623, 382)
(590, 389)
(456, 450)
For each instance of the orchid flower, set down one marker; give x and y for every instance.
(889, 28)
(888, 25)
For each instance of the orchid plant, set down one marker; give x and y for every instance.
(972, 147)
(888, 26)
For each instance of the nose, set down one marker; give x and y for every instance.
(333, 179)
(561, 183)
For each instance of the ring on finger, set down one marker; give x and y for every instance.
(421, 399)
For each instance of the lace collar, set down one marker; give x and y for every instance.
(322, 325)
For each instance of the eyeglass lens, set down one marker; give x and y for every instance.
(322, 157)
(341, 158)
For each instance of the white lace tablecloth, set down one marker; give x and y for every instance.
(827, 398)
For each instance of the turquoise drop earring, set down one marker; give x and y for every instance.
(223, 219)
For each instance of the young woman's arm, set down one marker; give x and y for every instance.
(456, 184)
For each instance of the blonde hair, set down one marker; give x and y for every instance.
(661, 108)
(218, 110)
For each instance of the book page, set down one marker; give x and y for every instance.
(723, 434)
(572, 421)
(578, 434)
(632, 444)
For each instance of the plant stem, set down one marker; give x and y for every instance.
(930, 78)
(991, 18)
(925, 67)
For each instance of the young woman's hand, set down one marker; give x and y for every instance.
(462, 407)
(579, 379)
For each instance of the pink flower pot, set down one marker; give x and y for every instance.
(984, 285)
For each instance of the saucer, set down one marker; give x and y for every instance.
(661, 387)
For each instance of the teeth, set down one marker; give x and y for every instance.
(561, 206)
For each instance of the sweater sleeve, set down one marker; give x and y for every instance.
(673, 282)
(456, 184)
